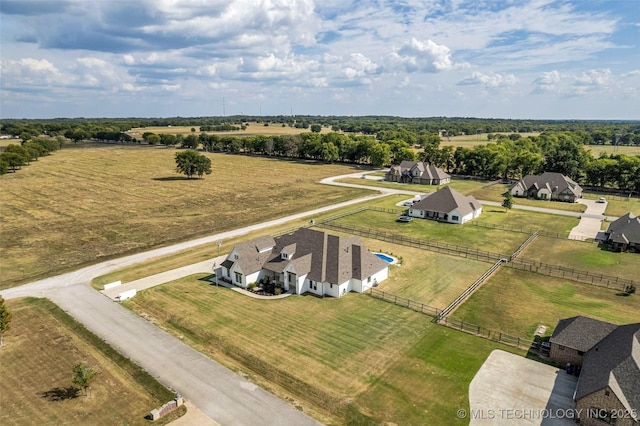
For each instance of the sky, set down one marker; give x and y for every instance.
(525, 59)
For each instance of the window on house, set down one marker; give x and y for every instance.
(561, 347)
(455, 218)
(235, 257)
(238, 277)
(330, 285)
(369, 279)
(606, 392)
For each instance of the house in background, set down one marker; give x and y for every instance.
(447, 205)
(547, 186)
(305, 261)
(609, 356)
(417, 172)
(623, 234)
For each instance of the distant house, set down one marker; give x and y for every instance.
(305, 261)
(608, 389)
(417, 172)
(623, 234)
(447, 205)
(547, 186)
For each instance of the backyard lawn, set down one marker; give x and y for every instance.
(355, 360)
(516, 302)
(41, 347)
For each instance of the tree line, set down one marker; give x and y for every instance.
(15, 156)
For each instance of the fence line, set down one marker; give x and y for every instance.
(523, 246)
(435, 246)
(469, 291)
(598, 280)
(520, 230)
(404, 302)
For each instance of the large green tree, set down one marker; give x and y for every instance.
(192, 163)
(5, 319)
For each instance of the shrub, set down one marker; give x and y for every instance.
(630, 289)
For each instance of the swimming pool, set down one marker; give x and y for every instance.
(386, 258)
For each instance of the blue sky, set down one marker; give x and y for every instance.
(538, 59)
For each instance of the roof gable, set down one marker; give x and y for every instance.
(446, 200)
(580, 333)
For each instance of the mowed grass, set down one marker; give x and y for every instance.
(467, 235)
(79, 206)
(583, 256)
(337, 359)
(516, 302)
(596, 150)
(427, 277)
(40, 349)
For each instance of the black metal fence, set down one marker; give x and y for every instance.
(498, 336)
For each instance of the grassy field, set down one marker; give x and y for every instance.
(584, 256)
(516, 302)
(353, 360)
(82, 205)
(252, 129)
(468, 235)
(596, 150)
(40, 349)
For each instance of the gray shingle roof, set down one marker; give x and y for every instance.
(326, 258)
(625, 229)
(555, 182)
(252, 254)
(614, 362)
(580, 333)
(427, 170)
(447, 199)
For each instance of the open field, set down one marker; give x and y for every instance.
(252, 129)
(83, 205)
(41, 348)
(596, 150)
(584, 256)
(467, 235)
(353, 360)
(516, 302)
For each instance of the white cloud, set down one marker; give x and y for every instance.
(427, 56)
(548, 82)
(491, 80)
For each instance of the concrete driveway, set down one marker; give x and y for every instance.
(590, 221)
(512, 390)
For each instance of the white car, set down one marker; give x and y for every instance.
(601, 200)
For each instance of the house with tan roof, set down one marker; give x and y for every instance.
(622, 234)
(547, 186)
(447, 205)
(305, 261)
(417, 172)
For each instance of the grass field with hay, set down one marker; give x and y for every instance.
(251, 129)
(41, 347)
(79, 206)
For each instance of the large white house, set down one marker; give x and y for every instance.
(447, 205)
(547, 186)
(417, 172)
(305, 261)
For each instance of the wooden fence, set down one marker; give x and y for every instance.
(404, 302)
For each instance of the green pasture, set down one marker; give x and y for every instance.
(516, 302)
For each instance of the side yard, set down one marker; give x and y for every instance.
(516, 302)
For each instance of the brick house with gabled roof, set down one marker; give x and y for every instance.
(417, 172)
(547, 186)
(305, 261)
(622, 234)
(608, 389)
(447, 205)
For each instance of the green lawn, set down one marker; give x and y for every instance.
(516, 302)
(468, 235)
(583, 256)
(353, 360)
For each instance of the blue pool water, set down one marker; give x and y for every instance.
(385, 257)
